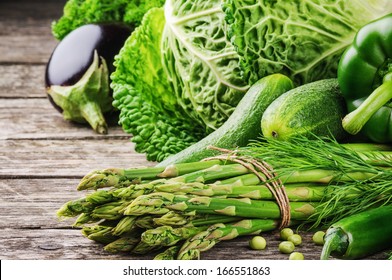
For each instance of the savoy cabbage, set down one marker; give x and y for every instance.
(141, 91)
(177, 77)
(200, 62)
(302, 38)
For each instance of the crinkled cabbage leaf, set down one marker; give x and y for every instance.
(177, 77)
(302, 39)
(200, 62)
(141, 91)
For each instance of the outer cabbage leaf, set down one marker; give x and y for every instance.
(141, 91)
(79, 12)
(302, 39)
(200, 62)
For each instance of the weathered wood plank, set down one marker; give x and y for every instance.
(26, 18)
(32, 203)
(64, 244)
(70, 244)
(25, 31)
(57, 158)
(22, 81)
(36, 118)
(47, 244)
(26, 49)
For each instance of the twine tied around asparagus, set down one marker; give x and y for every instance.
(271, 181)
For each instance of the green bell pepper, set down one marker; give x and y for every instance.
(365, 79)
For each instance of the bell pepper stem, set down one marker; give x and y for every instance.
(335, 242)
(354, 121)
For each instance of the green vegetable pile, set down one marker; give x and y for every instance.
(250, 108)
(182, 210)
(186, 67)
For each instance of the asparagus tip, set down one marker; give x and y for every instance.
(100, 178)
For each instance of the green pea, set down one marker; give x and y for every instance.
(296, 256)
(295, 238)
(318, 237)
(285, 233)
(257, 243)
(286, 247)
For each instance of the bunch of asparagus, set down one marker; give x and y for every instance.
(185, 209)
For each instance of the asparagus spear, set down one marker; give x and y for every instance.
(295, 192)
(168, 236)
(144, 248)
(75, 207)
(110, 211)
(241, 180)
(122, 177)
(205, 240)
(125, 225)
(173, 218)
(99, 233)
(161, 203)
(169, 254)
(123, 244)
(145, 222)
(85, 218)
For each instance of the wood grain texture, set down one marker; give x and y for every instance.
(25, 31)
(36, 118)
(70, 244)
(22, 81)
(65, 158)
(26, 49)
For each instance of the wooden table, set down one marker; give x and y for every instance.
(42, 157)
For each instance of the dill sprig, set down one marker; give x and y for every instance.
(359, 179)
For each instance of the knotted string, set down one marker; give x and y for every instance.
(270, 179)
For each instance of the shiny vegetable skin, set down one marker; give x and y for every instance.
(77, 73)
(365, 78)
(359, 235)
(242, 126)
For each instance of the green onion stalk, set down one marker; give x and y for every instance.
(184, 209)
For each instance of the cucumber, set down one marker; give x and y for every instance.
(243, 124)
(312, 110)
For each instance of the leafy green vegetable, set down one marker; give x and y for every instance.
(141, 91)
(302, 39)
(80, 12)
(177, 78)
(200, 62)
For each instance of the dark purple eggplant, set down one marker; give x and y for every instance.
(77, 73)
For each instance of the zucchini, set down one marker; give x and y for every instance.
(312, 110)
(359, 235)
(243, 124)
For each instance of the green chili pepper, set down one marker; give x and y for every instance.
(359, 235)
(365, 79)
